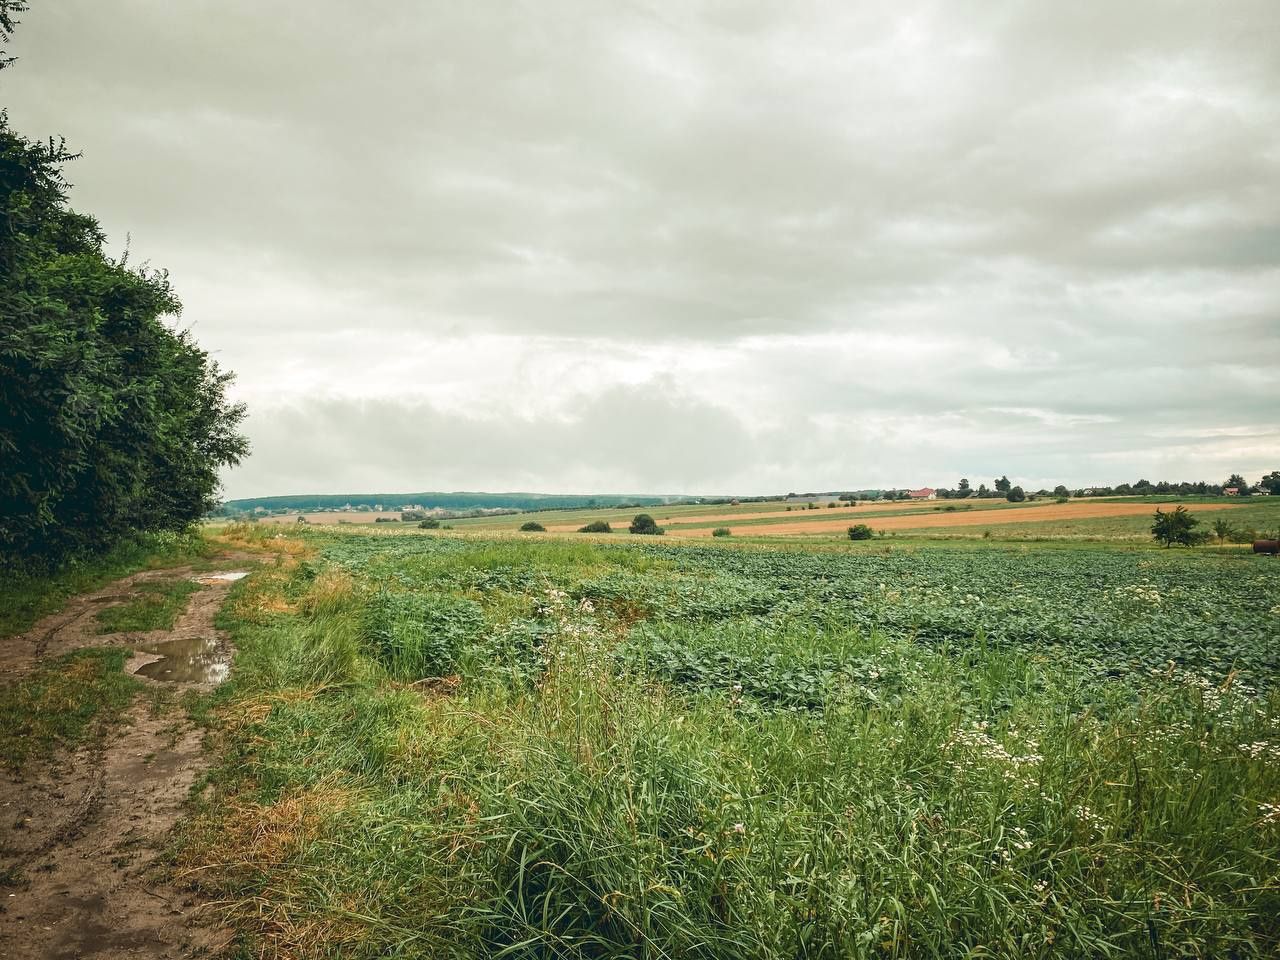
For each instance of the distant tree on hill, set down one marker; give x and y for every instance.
(962, 490)
(983, 492)
(1176, 526)
(1237, 481)
(1061, 491)
(644, 524)
(1271, 483)
(1003, 485)
(1016, 495)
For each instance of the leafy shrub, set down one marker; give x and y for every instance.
(1061, 500)
(645, 525)
(1016, 495)
(1176, 526)
(431, 523)
(532, 526)
(596, 526)
(722, 532)
(417, 635)
(111, 422)
(860, 531)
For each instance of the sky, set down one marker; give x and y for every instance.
(696, 247)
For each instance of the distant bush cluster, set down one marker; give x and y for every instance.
(596, 526)
(646, 526)
(860, 531)
(532, 526)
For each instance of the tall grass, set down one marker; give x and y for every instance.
(712, 786)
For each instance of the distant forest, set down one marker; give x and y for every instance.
(443, 501)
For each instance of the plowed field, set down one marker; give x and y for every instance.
(977, 518)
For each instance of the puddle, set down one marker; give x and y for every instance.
(221, 577)
(188, 660)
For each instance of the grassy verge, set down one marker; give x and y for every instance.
(157, 607)
(62, 703)
(25, 598)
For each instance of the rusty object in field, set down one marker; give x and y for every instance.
(1266, 546)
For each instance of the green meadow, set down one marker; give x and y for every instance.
(444, 745)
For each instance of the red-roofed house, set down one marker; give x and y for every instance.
(924, 493)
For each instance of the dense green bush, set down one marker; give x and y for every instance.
(1016, 495)
(431, 523)
(419, 635)
(532, 526)
(645, 525)
(596, 526)
(1177, 526)
(722, 532)
(860, 531)
(112, 422)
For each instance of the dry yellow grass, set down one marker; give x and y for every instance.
(1057, 511)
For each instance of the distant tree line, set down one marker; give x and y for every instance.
(460, 502)
(1003, 489)
(111, 421)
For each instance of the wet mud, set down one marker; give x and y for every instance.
(80, 836)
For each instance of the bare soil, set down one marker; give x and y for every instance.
(79, 837)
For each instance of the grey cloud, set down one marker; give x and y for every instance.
(1072, 208)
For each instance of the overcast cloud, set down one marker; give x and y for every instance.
(697, 247)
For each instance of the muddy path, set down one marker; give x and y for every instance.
(79, 836)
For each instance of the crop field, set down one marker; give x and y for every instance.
(1121, 521)
(449, 745)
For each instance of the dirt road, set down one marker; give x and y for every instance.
(81, 834)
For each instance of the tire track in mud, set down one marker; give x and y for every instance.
(81, 833)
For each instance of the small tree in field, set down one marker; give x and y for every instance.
(1177, 526)
(644, 524)
(1016, 495)
(532, 526)
(860, 531)
(596, 526)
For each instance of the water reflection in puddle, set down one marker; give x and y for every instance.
(188, 660)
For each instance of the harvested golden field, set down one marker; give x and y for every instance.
(729, 514)
(334, 518)
(930, 519)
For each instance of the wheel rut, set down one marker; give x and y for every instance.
(80, 835)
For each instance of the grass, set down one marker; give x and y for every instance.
(157, 607)
(26, 597)
(447, 746)
(62, 704)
